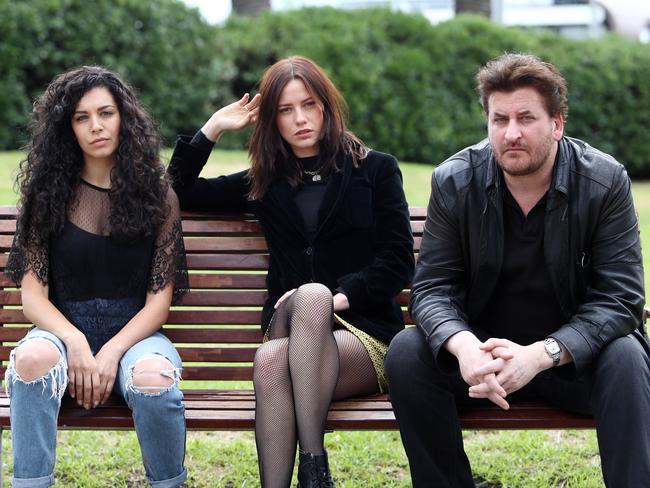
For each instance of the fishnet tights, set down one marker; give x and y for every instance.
(297, 374)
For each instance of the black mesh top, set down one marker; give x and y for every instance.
(85, 262)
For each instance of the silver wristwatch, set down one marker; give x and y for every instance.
(553, 350)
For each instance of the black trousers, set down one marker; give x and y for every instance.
(616, 391)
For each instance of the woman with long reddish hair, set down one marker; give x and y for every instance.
(337, 225)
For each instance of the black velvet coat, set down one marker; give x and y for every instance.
(363, 246)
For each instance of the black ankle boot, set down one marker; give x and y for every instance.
(313, 471)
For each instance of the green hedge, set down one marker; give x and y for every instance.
(161, 47)
(409, 85)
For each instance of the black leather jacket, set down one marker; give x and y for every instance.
(591, 246)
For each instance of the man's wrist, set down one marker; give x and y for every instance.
(543, 359)
(459, 341)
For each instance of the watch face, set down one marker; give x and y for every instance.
(552, 347)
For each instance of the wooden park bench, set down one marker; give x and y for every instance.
(216, 330)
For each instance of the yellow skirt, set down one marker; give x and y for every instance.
(375, 348)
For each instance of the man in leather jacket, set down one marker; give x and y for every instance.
(529, 285)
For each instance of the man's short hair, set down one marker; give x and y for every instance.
(510, 72)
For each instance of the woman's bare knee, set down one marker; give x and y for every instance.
(35, 358)
(153, 374)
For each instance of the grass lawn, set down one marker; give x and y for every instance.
(525, 459)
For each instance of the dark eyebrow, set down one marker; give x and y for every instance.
(521, 112)
(302, 101)
(103, 107)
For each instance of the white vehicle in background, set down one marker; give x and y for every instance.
(578, 18)
(572, 18)
(630, 18)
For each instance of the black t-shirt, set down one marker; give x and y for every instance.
(523, 306)
(309, 195)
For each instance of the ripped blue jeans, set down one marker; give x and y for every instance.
(158, 416)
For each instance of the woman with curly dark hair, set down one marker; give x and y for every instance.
(99, 256)
(337, 225)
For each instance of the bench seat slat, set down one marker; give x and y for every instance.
(236, 414)
(206, 373)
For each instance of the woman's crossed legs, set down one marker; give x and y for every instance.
(297, 373)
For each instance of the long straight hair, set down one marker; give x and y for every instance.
(271, 155)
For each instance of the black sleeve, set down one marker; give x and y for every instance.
(168, 263)
(613, 305)
(34, 258)
(202, 143)
(225, 193)
(437, 303)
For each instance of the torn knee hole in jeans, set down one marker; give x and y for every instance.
(172, 373)
(57, 375)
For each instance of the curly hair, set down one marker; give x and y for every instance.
(50, 173)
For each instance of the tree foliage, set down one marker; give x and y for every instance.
(409, 85)
(162, 48)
